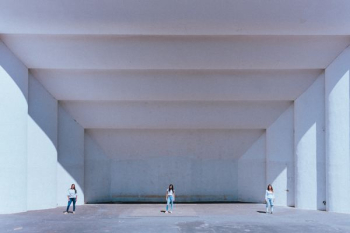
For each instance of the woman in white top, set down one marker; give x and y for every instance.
(170, 198)
(72, 197)
(269, 198)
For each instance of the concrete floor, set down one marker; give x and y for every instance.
(185, 218)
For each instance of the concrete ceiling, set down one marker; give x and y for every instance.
(185, 65)
(182, 17)
(175, 52)
(175, 85)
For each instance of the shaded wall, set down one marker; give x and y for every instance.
(70, 166)
(252, 172)
(202, 164)
(97, 171)
(280, 158)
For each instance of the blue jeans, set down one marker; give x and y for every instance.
(170, 201)
(269, 202)
(70, 202)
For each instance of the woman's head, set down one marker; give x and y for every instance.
(171, 187)
(269, 188)
(73, 187)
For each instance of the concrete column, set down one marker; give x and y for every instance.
(337, 133)
(13, 132)
(42, 143)
(251, 185)
(280, 158)
(310, 171)
(70, 166)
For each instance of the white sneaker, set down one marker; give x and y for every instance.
(73, 212)
(65, 212)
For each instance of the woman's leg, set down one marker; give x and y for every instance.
(271, 204)
(267, 206)
(74, 204)
(171, 203)
(69, 202)
(167, 203)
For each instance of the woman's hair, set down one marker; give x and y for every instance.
(172, 187)
(269, 187)
(73, 187)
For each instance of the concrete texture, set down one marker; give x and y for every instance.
(252, 184)
(42, 147)
(200, 17)
(218, 98)
(185, 218)
(280, 157)
(13, 131)
(70, 161)
(203, 164)
(309, 142)
(337, 104)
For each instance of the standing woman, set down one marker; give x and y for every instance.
(269, 198)
(170, 198)
(72, 197)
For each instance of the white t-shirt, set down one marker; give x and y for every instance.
(71, 193)
(170, 192)
(269, 195)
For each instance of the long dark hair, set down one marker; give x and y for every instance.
(268, 187)
(71, 187)
(172, 187)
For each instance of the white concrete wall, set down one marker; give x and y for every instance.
(42, 147)
(309, 126)
(337, 133)
(97, 172)
(13, 132)
(280, 158)
(252, 172)
(70, 167)
(202, 164)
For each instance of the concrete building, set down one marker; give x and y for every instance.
(219, 98)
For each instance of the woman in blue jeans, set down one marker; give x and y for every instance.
(269, 198)
(170, 198)
(72, 197)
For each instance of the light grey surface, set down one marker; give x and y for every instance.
(42, 147)
(166, 17)
(70, 160)
(185, 218)
(176, 85)
(164, 66)
(280, 157)
(337, 93)
(176, 114)
(202, 164)
(13, 132)
(309, 141)
(175, 52)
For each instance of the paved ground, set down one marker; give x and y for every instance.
(185, 218)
